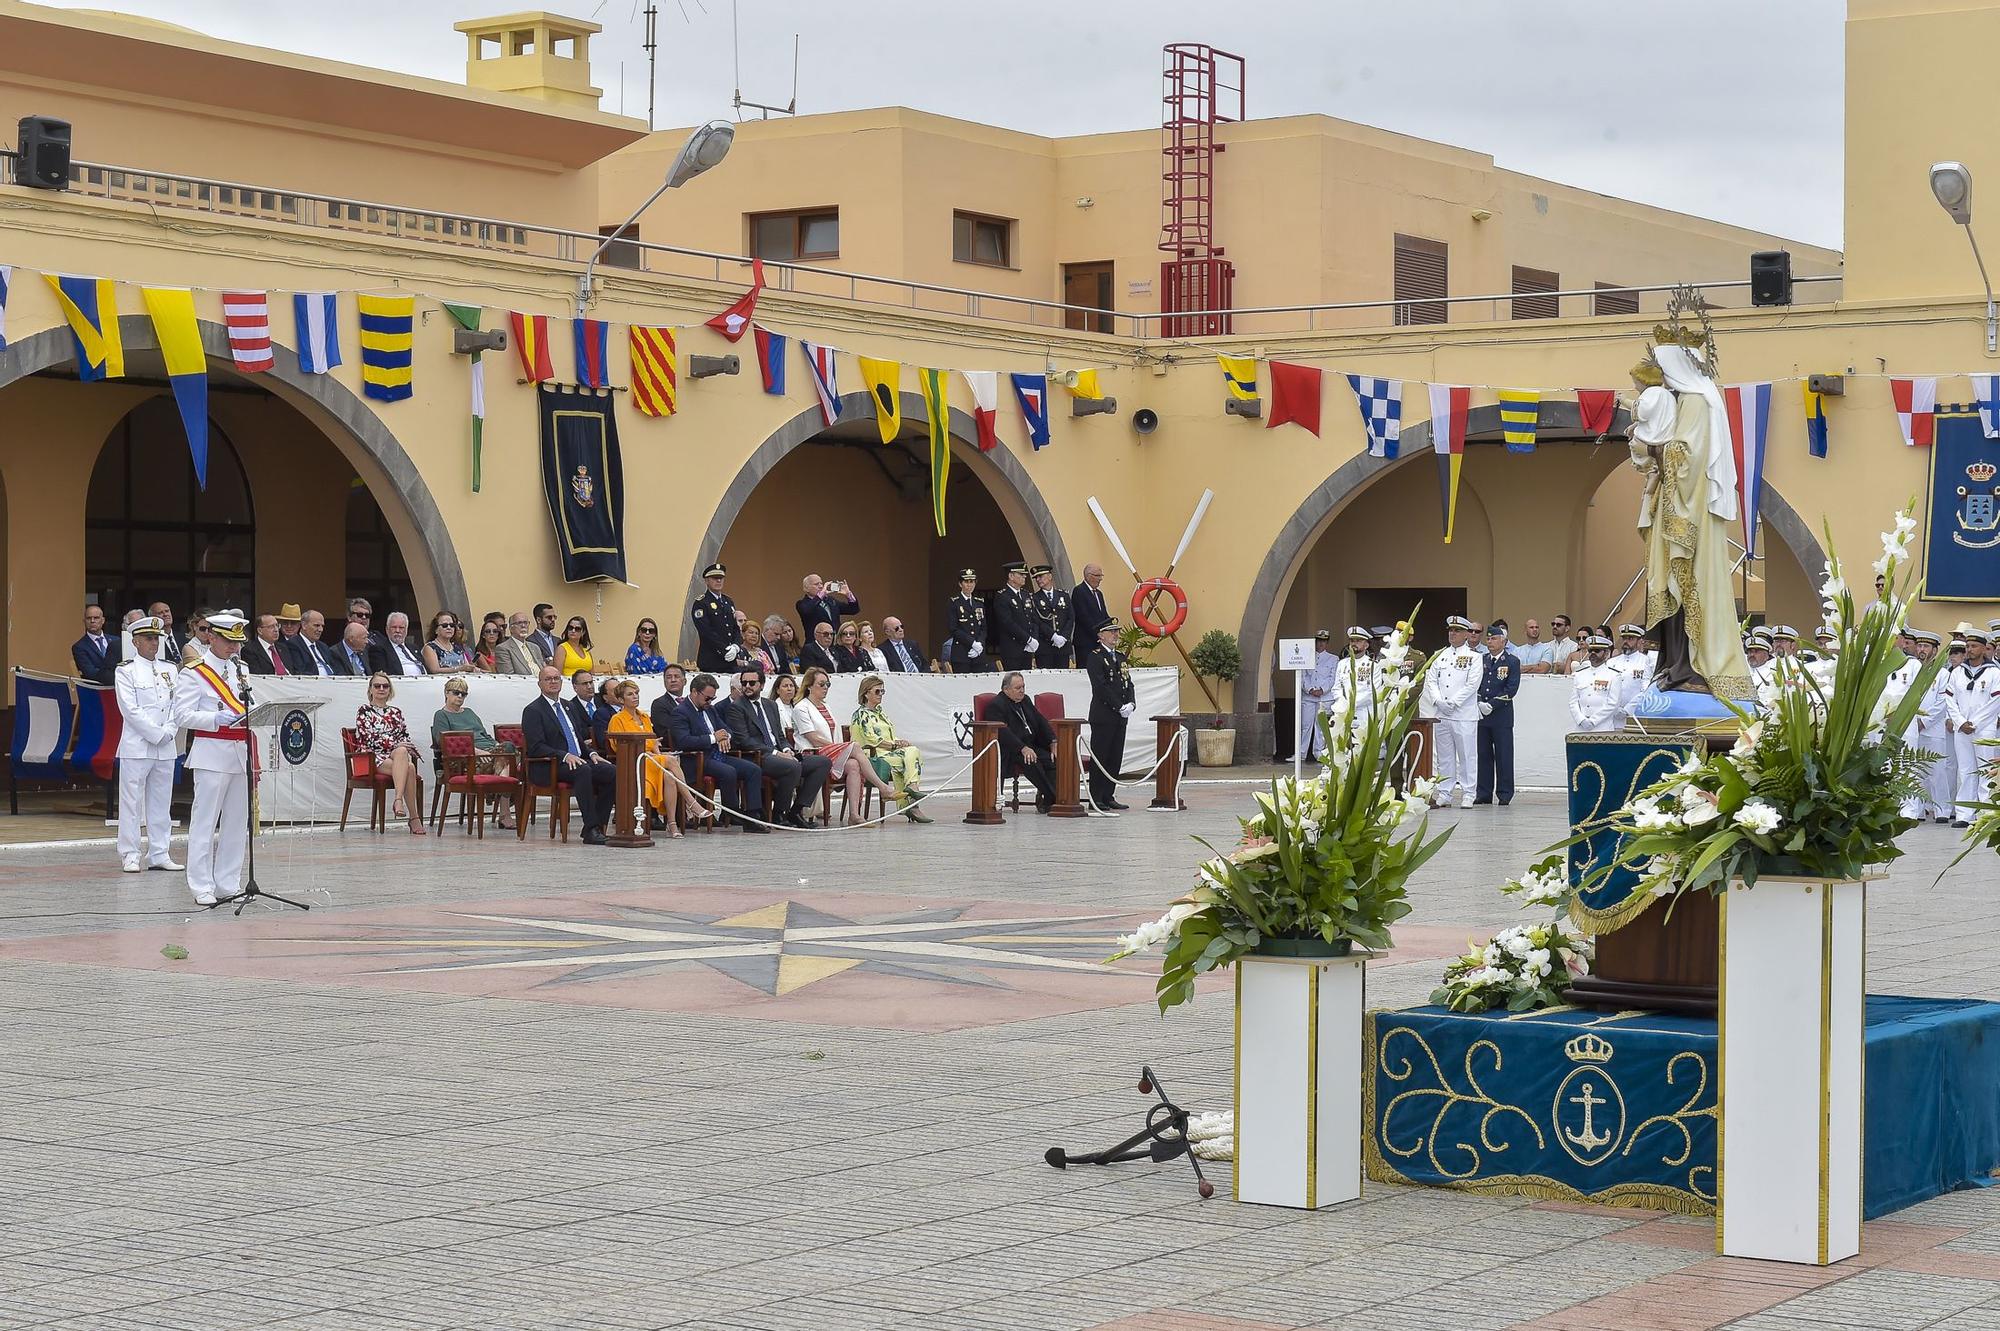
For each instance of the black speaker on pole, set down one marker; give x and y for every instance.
(44, 153)
(1771, 277)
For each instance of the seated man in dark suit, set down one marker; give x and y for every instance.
(96, 653)
(1028, 743)
(904, 654)
(819, 652)
(555, 731)
(757, 732)
(307, 653)
(698, 729)
(664, 706)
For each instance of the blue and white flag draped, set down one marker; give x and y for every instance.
(44, 716)
(318, 335)
(1381, 403)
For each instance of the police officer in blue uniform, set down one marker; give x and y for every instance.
(1499, 681)
(1111, 705)
(1016, 635)
(964, 649)
(715, 623)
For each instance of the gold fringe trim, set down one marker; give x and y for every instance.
(1610, 919)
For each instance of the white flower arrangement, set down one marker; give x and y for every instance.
(1522, 968)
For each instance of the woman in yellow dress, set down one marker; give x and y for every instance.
(573, 652)
(663, 793)
(897, 759)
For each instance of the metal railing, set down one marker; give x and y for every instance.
(327, 212)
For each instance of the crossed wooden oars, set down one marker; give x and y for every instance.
(1148, 591)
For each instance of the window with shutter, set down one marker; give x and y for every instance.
(1610, 300)
(1421, 280)
(1531, 280)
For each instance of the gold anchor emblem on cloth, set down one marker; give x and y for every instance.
(1589, 1139)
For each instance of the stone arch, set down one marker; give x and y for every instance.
(1295, 538)
(350, 425)
(1019, 499)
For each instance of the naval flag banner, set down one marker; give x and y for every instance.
(583, 477)
(1962, 541)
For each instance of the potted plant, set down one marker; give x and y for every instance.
(1216, 657)
(1320, 866)
(1786, 828)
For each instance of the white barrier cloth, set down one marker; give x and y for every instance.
(305, 774)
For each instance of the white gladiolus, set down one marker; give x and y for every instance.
(1699, 812)
(1758, 816)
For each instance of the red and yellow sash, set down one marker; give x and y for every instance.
(234, 704)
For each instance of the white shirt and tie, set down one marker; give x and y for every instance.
(902, 652)
(407, 660)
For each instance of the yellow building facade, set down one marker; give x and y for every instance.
(209, 165)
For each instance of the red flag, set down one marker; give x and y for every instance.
(733, 322)
(1595, 409)
(1916, 409)
(1294, 395)
(531, 346)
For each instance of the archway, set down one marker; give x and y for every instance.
(371, 451)
(1269, 592)
(836, 501)
(152, 534)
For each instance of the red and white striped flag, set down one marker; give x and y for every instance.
(1916, 409)
(985, 386)
(248, 315)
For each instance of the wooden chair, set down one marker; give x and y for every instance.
(364, 774)
(693, 766)
(475, 789)
(532, 790)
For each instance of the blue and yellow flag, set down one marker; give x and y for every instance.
(1520, 418)
(1239, 376)
(91, 306)
(1082, 384)
(1815, 420)
(387, 336)
(937, 407)
(172, 311)
(884, 381)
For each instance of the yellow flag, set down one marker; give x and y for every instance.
(885, 387)
(1083, 384)
(174, 324)
(90, 304)
(1239, 376)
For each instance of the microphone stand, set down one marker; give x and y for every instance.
(250, 890)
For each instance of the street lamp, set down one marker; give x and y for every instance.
(707, 146)
(1951, 185)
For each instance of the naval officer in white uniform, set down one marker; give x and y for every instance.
(145, 688)
(209, 704)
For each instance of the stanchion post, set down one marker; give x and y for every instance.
(985, 810)
(1069, 768)
(627, 829)
(1167, 776)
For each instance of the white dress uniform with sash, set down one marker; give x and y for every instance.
(1594, 697)
(145, 692)
(208, 703)
(1452, 689)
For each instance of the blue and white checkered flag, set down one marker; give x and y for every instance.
(1381, 403)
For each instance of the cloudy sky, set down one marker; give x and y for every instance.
(1725, 108)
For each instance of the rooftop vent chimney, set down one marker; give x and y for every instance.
(533, 53)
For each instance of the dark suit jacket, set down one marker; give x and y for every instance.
(543, 734)
(93, 662)
(1091, 612)
(382, 657)
(1025, 726)
(810, 655)
(745, 740)
(916, 654)
(258, 657)
(824, 610)
(691, 735)
(663, 718)
(300, 662)
(850, 662)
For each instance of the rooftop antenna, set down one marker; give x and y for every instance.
(652, 48)
(790, 108)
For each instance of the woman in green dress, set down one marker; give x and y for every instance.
(455, 715)
(896, 760)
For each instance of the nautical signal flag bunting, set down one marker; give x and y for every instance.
(1450, 406)
(884, 379)
(387, 335)
(1239, 376)
(90, 304)
(655, 371)
(530, 335)
(179, 336)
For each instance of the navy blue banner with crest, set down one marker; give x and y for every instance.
(1606, 772)
(583, 478)
(1962, 543)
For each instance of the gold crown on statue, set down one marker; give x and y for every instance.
(1981, 472)
(1588, 1048)
(1647, 373)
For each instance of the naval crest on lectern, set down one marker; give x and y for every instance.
(1589, 1109)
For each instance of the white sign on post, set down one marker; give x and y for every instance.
(1297, 655)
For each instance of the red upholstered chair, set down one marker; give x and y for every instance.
(462, 777)
(532, 790)
(364, 774)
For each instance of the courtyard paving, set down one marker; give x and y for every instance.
(783, 1082)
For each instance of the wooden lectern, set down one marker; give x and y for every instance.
(1069, 731)
(985, 810)
(628, 830)
(1167, 776)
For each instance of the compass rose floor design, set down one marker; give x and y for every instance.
(838, 959)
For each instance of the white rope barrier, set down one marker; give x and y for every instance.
(717, 807)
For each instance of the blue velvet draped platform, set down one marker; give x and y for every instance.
(1583, 1105)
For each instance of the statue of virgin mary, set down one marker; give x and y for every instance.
(1680, 439)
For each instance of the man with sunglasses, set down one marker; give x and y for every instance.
(757, 733)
